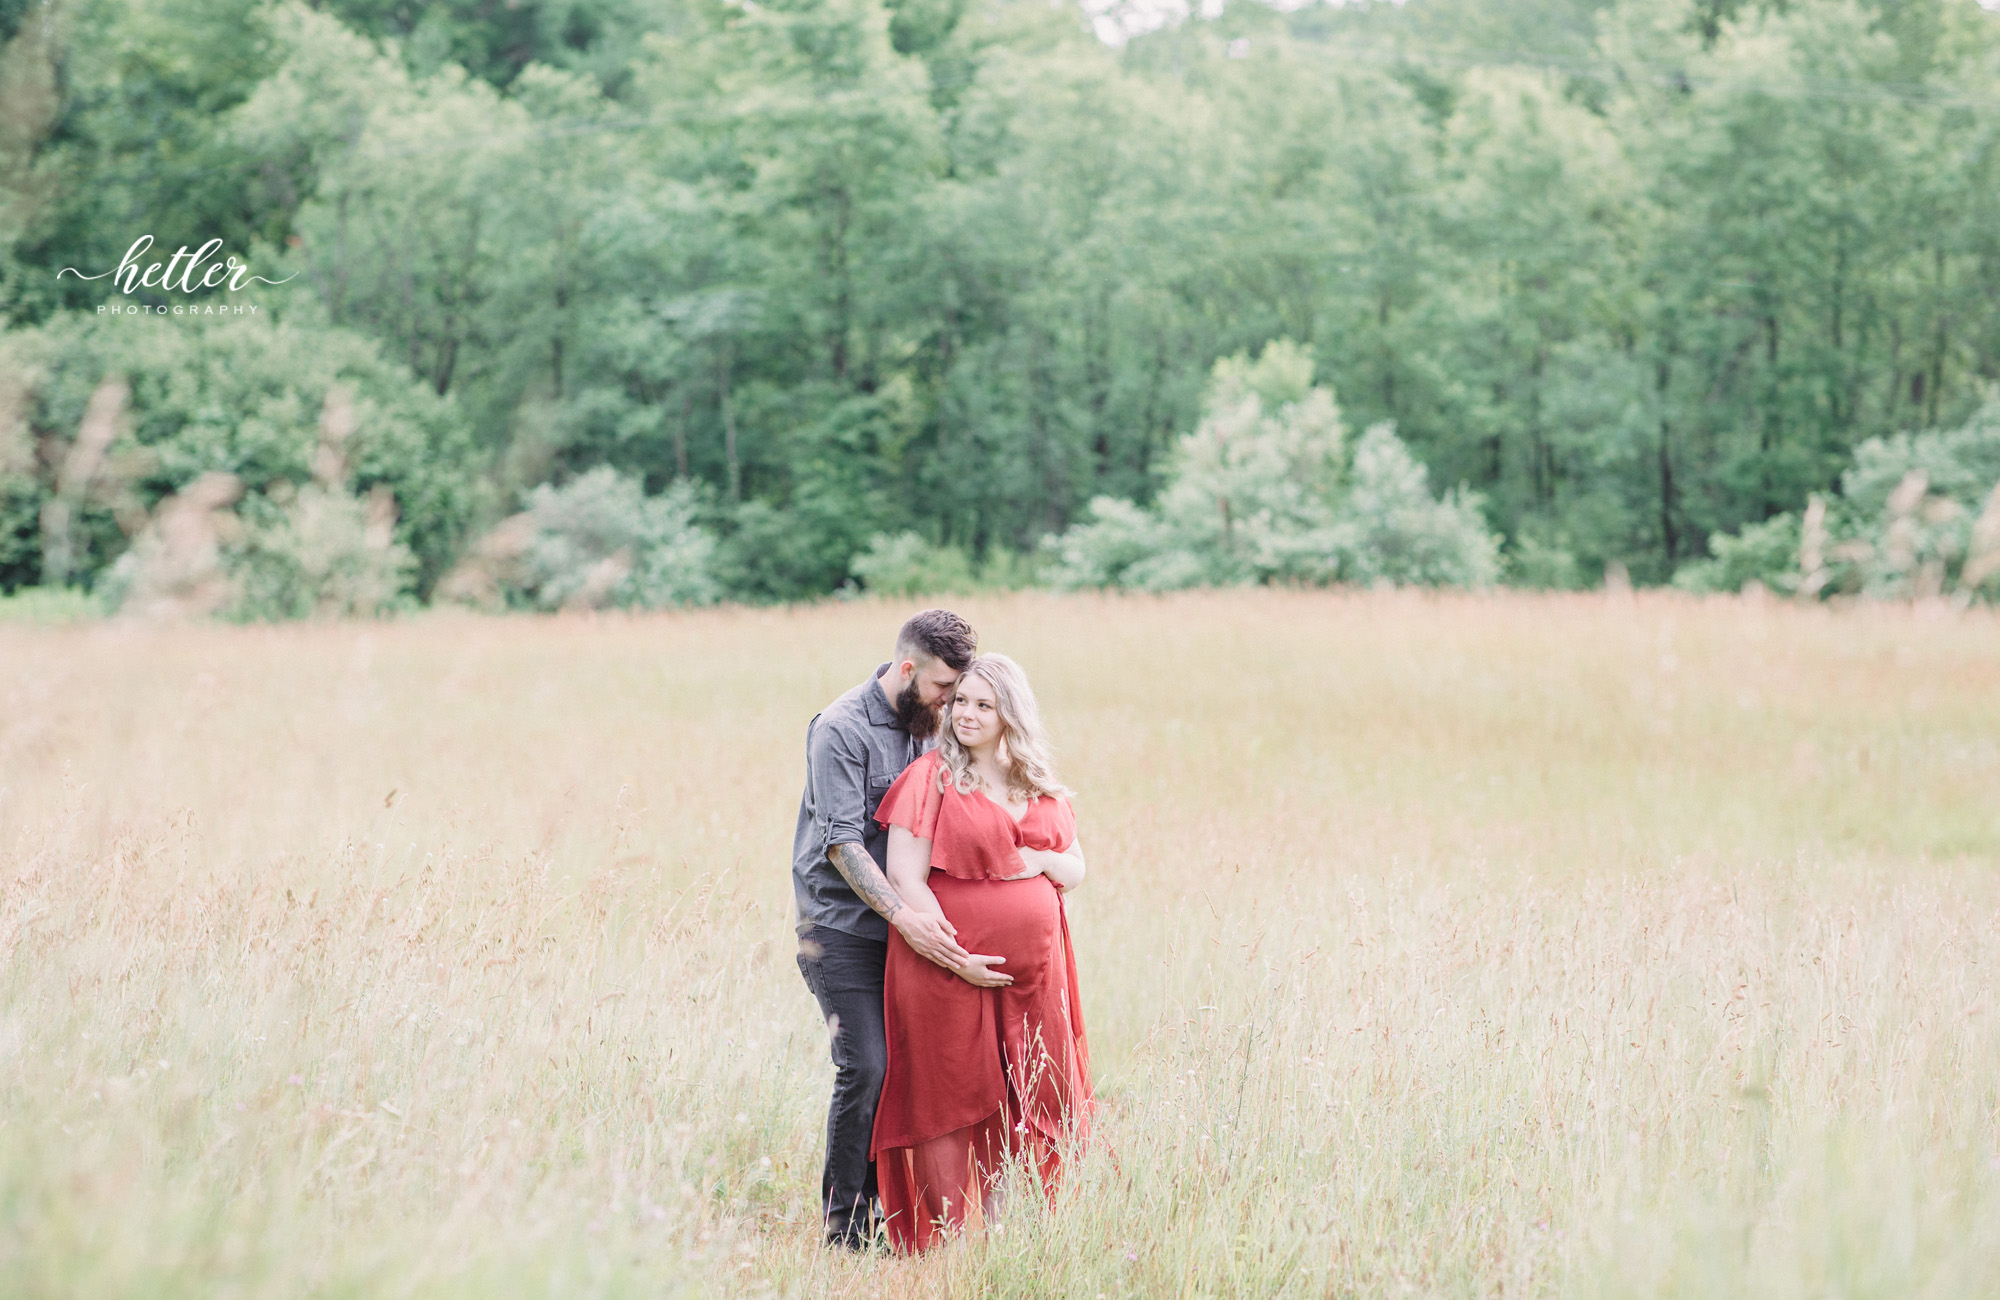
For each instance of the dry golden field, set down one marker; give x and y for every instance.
(1503, 945)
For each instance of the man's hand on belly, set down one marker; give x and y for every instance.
(927, 932)
(943, 948)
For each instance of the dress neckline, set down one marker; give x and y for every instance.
(1008, 812)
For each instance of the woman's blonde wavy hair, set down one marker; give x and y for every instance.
(1024, 746)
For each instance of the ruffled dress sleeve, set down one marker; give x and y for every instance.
(914, 800)
(1050, 824)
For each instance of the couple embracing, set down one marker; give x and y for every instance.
(934, 845)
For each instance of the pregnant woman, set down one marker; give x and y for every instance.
(987, 1061)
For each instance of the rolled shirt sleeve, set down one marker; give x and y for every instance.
(838, 772)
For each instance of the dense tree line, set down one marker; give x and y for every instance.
(1633, 274)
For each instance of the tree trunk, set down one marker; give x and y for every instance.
(1667, 533)
(447, 362)
(944, 375)
(681, 433)
(337, 296)
(1669, 536)
(1388, 362)
(729, 426)
(1938, 351)
(843, 287)
(556, 340)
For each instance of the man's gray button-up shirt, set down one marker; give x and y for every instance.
(855, 750)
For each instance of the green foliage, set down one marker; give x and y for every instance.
(1543, 562)
(1264, 491)
(1638, 275)
(1960, 465)
(323, 554)
(1389, 529)
(600, 540)
(909, 564)
(1120, 544)
(788, 554)
(126, 141)
(244, 396)
(1767, 553)
(1918, 515)
(20, 532)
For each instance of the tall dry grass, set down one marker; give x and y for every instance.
(1500, 945)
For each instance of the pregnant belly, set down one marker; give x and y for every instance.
(1015, 919)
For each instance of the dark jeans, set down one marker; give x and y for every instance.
(845, 973)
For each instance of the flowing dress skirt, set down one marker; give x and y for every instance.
(978, 1075)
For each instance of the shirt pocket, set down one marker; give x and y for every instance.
(878, 786)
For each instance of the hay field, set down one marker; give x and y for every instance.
(1456, 946)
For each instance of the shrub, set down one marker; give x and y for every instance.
(1544, 562)
(1263, 491)
(908, 564)
(242, 396)
(598, 540)
(174, 566)
(1917, 515)
(311, 552)
(1920, 514)
(324, 554)
(1767, 553)
(1112, 549)
(1389, 528)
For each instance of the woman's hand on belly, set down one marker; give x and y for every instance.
(1064, 870)
(978, 971)
(1030, 867)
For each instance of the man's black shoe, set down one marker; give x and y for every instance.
(865, 1238)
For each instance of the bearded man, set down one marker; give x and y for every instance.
(855, 749)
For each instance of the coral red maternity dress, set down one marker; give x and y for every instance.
(976, 1075)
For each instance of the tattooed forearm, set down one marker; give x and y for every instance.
(866, 879)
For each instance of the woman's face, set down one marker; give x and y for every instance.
(975, 713)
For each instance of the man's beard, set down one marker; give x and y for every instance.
(913, 715)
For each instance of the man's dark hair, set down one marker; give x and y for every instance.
(938, 634)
